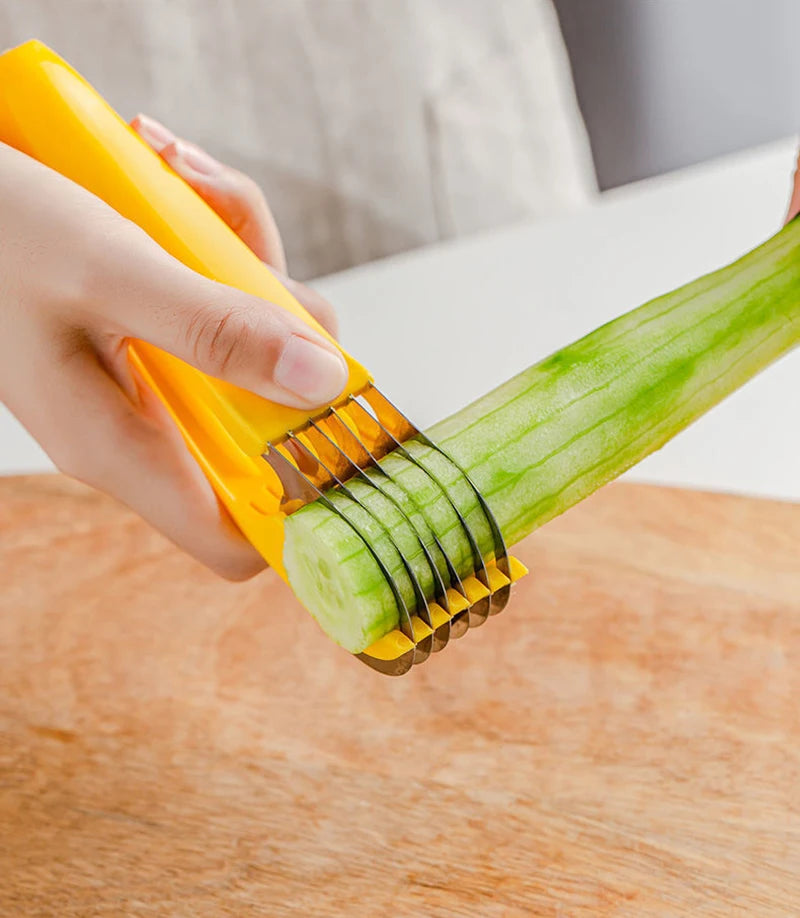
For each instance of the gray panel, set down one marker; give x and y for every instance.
(665, 83)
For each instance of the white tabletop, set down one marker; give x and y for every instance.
(440, 326)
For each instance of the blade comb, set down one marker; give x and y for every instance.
(346, 443)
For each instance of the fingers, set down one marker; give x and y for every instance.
(94, 433)
(142, 292)
(794, 203)
(240, 203)
(233, 195)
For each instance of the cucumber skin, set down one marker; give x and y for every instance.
(544, 440)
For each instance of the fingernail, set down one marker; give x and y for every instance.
(154, 132)
(198, 159)
(313, 373)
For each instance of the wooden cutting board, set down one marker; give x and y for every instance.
(624, 740)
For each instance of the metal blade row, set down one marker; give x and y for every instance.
(345, 444)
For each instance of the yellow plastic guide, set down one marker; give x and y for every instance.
(51, 113)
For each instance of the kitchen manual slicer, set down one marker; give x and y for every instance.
(263, 460)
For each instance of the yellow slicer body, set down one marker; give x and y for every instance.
(50, 112)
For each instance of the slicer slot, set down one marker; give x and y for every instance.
(279, 462)
(478, 612)
(423, 646)
(357, 449)
(367, 469)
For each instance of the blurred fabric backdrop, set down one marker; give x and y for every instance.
(377, 126)
(374, 126)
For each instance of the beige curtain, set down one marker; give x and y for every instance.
(374, 126)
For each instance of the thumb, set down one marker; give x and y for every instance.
(222, 331)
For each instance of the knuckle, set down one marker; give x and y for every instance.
(217, 338)
(103, 259)
(245, 202)
(79, 275)
(247, 189)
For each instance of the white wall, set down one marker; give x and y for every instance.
(665, 83)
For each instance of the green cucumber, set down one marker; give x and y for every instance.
(544, 440)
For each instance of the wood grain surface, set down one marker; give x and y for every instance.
(624, 740)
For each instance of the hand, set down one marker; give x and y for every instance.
(794, 201)
(78, 280)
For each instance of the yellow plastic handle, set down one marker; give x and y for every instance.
(50, 112)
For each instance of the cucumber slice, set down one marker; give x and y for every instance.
(548, 438)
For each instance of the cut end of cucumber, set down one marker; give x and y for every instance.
(342, 598)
